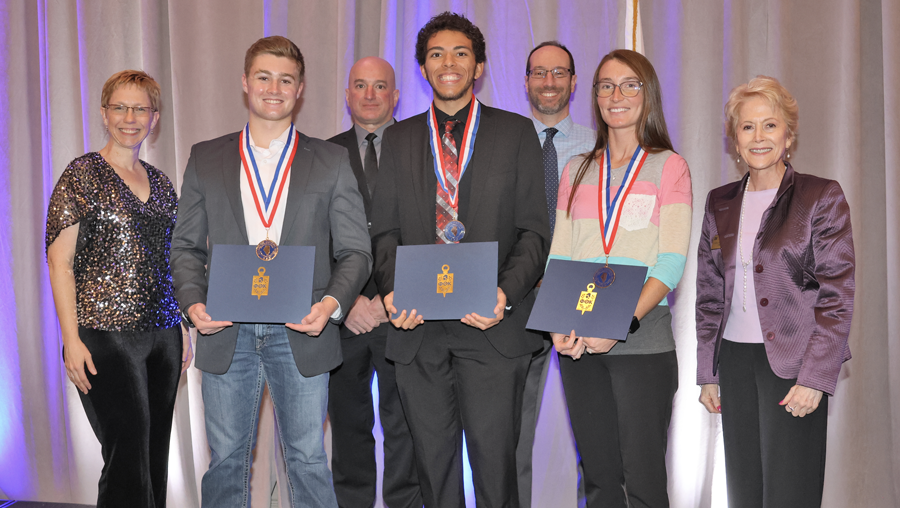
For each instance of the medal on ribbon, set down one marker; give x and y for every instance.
(260, 284)
(445, 281)
(267, 249)
(454, 231)
(604, 277)
(611, 207)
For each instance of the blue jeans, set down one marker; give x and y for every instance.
(263, 355)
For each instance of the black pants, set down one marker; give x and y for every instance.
(772, 459)
(130, 407)
(458, 384)
(352, 419)
(531, 408)
(620, 408)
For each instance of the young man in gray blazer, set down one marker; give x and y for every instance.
(311, 199)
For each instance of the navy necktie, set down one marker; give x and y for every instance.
(551, 175)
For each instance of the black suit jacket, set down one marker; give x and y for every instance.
(322, 203)
(501, 199)
(348, 140)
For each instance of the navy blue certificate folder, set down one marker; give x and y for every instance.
(446, 281)
(560, 301)
(246, 289)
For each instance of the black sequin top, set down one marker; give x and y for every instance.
(122, 277)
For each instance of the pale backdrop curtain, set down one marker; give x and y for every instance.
(841, 58)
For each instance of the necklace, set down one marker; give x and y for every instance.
(749, 261)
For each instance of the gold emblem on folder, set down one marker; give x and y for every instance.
(445, 281)
(586, 302)
(260, 284)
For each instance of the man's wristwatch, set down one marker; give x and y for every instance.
(635, 324)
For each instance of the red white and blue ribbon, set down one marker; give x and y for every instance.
(281, 172)
(611, 206)
(467, 147)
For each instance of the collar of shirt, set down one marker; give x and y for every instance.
(361, 133)
(461, 116)
(564, 127)
(266, 162)
(276, 146)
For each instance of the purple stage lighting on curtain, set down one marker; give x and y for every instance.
(12, 433)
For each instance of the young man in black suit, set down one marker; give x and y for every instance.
(371, 96)
(465, 375)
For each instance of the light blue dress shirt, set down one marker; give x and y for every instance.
(571, 140)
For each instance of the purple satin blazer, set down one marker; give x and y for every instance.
(804, 274)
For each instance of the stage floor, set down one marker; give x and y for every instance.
(39, 504)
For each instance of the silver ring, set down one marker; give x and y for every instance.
(789, 407)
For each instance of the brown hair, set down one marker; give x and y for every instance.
(653, 136)
(278, 46)
(773, 92)
(139, 79)
(555, 44)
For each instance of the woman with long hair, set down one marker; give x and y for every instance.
(628, 201)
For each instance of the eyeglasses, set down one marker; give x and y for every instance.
(627, 88)
(558, 73)
(139, 111)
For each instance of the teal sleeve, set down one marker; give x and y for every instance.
(668, 269)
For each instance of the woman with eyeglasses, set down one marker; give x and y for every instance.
(109, 231)
(619, 393)
(775, 286)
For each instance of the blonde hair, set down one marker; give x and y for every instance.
(139, 79)
(771, 91)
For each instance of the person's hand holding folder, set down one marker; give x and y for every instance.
(204, 323)
(313, 323)
(483, 323)
(573, 346)
(401, 321)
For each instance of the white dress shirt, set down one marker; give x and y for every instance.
(267, 162)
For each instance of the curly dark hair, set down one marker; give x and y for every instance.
(456, 23)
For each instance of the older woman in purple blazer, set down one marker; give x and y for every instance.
(774, 302)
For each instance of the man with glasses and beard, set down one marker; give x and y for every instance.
(550, 80)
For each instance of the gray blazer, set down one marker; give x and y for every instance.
(322, 201)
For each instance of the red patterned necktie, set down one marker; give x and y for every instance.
(450, 157)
